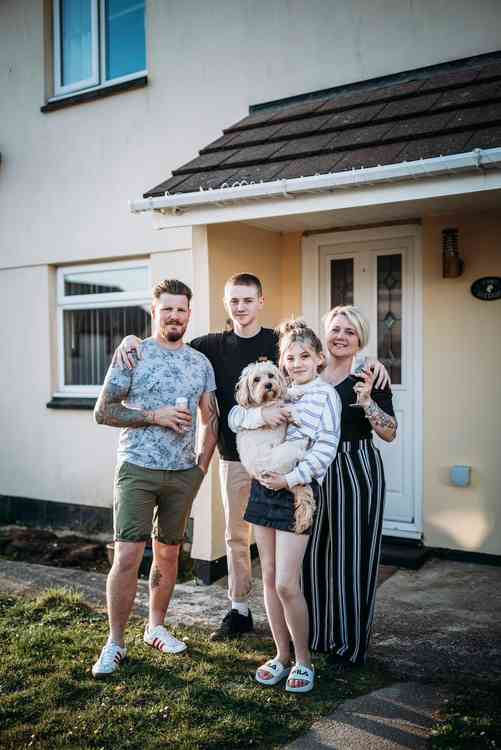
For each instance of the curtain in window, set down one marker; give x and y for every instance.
(91, 336)
(76, 38)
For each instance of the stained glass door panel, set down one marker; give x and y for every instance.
(389, 314)
(341, 282)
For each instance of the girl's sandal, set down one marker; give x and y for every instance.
(274, 667)
(304, 674)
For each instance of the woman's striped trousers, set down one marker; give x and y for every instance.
(341, 562)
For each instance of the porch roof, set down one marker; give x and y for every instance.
(441, 110)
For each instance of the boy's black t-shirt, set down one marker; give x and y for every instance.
(229, 354)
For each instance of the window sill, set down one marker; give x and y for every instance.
(72, 402)
(88, 96)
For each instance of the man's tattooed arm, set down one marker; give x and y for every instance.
(210, 429)
(381, 422)
(110, 411)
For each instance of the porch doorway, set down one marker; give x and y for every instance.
(380, 272)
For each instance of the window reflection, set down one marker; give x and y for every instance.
(342, 282)
(104, 282)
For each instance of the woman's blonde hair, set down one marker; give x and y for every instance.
(355, 317)
(296, 330)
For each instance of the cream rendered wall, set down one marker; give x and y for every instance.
(272, 256)
(187, 259)
(237, 248)
(276, 259)
(51, 454)
(66, 176)
(462, 389)
(62, 455)
(46, 454)
(290, 273)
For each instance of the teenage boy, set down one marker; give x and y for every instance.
(229, 352)
(157, 475)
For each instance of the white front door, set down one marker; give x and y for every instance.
(381, 275)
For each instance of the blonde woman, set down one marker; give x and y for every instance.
(341, 562)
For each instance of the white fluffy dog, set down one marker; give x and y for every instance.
(265, 449)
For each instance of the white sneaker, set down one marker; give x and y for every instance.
(109, 660)
(159, 637)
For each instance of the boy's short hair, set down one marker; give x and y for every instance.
(171, 286)
(244, 279)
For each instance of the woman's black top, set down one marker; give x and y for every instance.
(354, 423)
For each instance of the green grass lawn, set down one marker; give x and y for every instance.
(205, 700)
(471, 721)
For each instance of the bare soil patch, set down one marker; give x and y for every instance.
(45, 547)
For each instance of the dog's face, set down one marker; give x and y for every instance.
(260, 383)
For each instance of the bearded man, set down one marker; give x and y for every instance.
(158, 474)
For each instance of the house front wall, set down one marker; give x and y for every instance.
(46, 454)
(276, 259)
(461, 416)
(462, 388)
(66, 178)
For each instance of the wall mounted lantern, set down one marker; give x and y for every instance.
(452, 263)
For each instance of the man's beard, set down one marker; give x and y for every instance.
(172, 336)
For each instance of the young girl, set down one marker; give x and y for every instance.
(271, 504)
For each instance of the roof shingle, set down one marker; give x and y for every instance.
(429, 112)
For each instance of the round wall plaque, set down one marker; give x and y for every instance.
(487, 288)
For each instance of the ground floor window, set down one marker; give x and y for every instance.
(97, 306)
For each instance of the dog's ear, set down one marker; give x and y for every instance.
(242, 391)
(283, 384)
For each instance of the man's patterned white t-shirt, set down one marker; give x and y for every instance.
(158, 379)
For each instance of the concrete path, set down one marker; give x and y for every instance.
(192, 603)
(442, 622)
(396, 718)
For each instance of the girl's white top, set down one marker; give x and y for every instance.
(318, 412)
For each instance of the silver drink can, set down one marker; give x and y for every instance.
(182, 403)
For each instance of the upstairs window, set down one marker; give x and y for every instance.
(97, 43)
(97, 306)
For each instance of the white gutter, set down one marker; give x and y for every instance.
(241, 191)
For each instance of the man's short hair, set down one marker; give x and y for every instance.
(244, 279)
(171, 286)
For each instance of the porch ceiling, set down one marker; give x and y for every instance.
(466, 203)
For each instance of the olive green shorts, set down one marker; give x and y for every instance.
(153, 502)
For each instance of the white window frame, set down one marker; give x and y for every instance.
(97, 79)
(93, 302)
